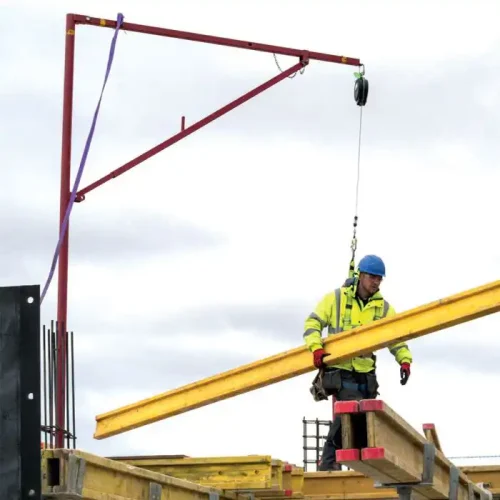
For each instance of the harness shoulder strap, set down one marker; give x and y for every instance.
(348, 311)
(337, 310)
(381, 312)
(337, 328)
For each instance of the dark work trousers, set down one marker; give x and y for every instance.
(354, 387)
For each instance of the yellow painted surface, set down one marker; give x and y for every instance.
(90, 477)
(110, 479)
(488, 474)
(293, 478)
(352, 485)
(349, 485)
(231, 473)
(437, 315)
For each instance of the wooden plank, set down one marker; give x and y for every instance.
(423, 320)
(229, 473)
(339, 485)
(297, 480)
(74, 474)
(431, 435)
(397, 450)
(489, 475)
(352, 435)
(353, 485)
(293, 480)
(276, 490)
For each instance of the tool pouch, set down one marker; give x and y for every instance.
(325, 384)
(317, 391)
(332, 381)
(371, 385)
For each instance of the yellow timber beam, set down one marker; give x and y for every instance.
(353, 485)
(430, 433)
(293, 480)
(266, 478)
(487, 475)
(253, 472)
(74, 474)
(408, 325)
(379, 443)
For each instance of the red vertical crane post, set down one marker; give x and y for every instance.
(62, 293)
(72, 20)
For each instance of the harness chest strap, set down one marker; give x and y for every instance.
(379, 313)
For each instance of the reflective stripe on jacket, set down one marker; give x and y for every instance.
(339, 311)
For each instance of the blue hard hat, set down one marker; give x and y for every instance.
(372, 264)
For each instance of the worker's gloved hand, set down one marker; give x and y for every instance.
(318, 356)
(405, 373)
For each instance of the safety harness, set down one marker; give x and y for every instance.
(379, 312)
(317, 389)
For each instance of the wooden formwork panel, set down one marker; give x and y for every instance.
(75, 474)
(227, 473)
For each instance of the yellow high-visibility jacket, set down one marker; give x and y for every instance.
(333, 306)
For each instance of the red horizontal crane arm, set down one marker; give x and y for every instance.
(303, 55)
(216, 40)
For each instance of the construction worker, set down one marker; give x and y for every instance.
(357, 302)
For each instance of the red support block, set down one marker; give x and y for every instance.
(349, 455)
(372, 453)
(342, 407)
(371, 405)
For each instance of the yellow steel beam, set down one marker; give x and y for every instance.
(253, 472)
(408, 325)
(74, 474)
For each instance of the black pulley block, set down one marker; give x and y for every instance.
(361, 91)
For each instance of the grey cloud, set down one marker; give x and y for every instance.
(279, 321)
(473, 358)
(407, 107)
(134, 364)
(111, 240)
(112, 236)
(135, 235)
(284, 321)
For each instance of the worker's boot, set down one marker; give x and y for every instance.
(335, 466)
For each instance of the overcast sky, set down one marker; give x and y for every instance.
(212, 253)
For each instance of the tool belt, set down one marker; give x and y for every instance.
(331, 382)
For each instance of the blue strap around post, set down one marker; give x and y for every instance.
(86, 149)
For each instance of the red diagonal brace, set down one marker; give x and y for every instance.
(80, 195)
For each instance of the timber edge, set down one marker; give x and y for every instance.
(76, 474)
